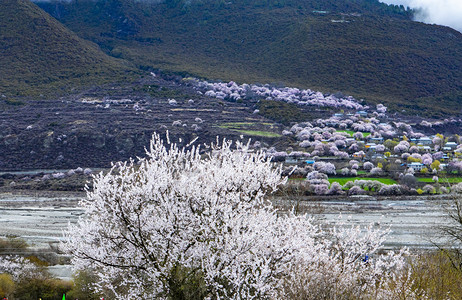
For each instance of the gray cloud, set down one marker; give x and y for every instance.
(442, 12)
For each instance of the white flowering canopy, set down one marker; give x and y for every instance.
(151, 226)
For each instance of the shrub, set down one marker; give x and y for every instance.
(457, 188)
(335, 189)
(40, 287)
(376, 171)
(7, 286)
(443, 190)
(434, 275)
(393, 189)
(355, 190)
(429, 189)
(11, 245)
(368, 166)
(435, 165)
(409, 180)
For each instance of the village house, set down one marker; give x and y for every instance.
(424, 148)
(375, 140)
(359, 154)
(416, 166)
(450, 145)
(371, 146)
(291, 160)
(424, 141)
(349, 141)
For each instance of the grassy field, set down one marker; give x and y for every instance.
(236, 125)
(258, 133)
(441, 180)
(252, 129)
(350, 132)
(343, 180)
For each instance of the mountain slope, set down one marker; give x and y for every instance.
(39, 55)
(359, 47)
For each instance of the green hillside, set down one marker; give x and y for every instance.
(359, 47)
(38, 55)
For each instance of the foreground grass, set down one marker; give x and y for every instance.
(434, 274)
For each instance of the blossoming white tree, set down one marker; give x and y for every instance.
(177, 219)
(18, 267)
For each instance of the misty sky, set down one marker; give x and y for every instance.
(442, 12)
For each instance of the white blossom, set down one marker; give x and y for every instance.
(177, 211)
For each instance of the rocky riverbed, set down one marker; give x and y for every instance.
(39, 218)
(414, 221)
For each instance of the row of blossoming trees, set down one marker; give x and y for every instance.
(329, 137)
(234, 92)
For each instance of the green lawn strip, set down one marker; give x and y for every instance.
(242, 127)
(258, 133)
(350, 132)
(236, 125)
(343, 180)
(441, 180)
